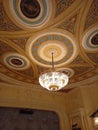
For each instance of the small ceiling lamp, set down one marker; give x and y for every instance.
(96, 121)
(53, 81)
(94, 115)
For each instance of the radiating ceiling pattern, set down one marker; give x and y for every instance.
(41, 48)
(30, 30)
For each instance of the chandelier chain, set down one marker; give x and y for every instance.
(53, 62)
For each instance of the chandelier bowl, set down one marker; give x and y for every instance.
(53, 81)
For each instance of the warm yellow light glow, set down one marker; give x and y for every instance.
(96, 120)
(53, 81)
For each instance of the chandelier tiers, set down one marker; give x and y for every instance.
(53, 81)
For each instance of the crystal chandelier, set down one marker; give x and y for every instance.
(53, 81)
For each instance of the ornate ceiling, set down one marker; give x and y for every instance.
(30, 30)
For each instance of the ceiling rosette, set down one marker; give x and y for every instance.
(29, 14)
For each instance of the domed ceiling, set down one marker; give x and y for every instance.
(30, 30)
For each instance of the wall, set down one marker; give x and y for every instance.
(82, 102)
(28, 119)
(78, 103)
(90, 98)
(75, 109)
(27, 97)
(74, 100)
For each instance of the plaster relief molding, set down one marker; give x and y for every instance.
(84, 83)
(78, 117)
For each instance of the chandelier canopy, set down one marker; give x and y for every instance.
(53, 81)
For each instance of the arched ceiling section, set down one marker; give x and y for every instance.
(31, 29)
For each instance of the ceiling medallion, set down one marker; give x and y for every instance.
(29, 14)
(30, 8)
(94, 39)
(90, 40)
(53, 81)
(46, 48)
(68, 71)
(41, 47)
(16, 61)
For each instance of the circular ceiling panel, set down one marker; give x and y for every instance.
(46, 49)
(30, 13)
(41, 48)
(16, 61)
(68, 71)
(90, 40)
(30, 8)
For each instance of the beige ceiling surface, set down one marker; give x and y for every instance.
(30, 30)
